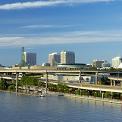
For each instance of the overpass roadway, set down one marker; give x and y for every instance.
(115, 78)
(98, 88)
(92, 87)
(47, 71)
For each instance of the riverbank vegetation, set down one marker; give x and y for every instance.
(60, 87)
(4, 85)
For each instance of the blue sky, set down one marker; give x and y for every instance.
(90, 28)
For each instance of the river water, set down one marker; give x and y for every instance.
(56, 109)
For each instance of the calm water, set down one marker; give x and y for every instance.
(56, 109)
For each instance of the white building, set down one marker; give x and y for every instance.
(120, 66)
(67, 57)
(54, 59)
(116, 61)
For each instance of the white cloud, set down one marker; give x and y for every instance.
(64, 38)
(48, 26)
(36, 4)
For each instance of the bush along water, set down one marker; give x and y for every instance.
(4, 85)
(60, 87)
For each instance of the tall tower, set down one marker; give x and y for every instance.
(27, 58)
(23, 63)
(54, 59)
(67, 57)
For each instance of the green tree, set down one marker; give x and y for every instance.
(104, 81)
(28, 80)
(78, 92)
(3, 84)
(52, 87)
(11, 87)
(107, 95)
(62, 88)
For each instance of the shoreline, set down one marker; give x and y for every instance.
(50, 93)
(90, 98)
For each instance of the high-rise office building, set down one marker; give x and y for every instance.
(28, 58)
(116, 61)
(54, 59)
(67, 57)
(23, 63)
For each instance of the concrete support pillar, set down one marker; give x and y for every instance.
(13, 80)
(111, 82)
(114, 83)
(46, 81)
(0, 76)
(16, 83)
(102, 95)
(121, 84)
(80, 77)
(96, 78)
(111, 95)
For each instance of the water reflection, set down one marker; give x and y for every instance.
(56, 109)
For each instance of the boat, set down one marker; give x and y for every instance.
(60, 94)
(42, 95)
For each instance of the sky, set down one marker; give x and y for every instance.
(90, 28)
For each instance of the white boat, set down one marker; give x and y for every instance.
(42, 95)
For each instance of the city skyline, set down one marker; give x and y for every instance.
(90, 28)
(30, 50)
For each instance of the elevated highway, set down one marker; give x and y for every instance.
(93, 87)
(115, 78)
(49, 71)
(101, 88)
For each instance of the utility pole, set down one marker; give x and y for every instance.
(46, 81)
(16, 83)
(80, 80)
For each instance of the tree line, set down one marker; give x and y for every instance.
(60, 87)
